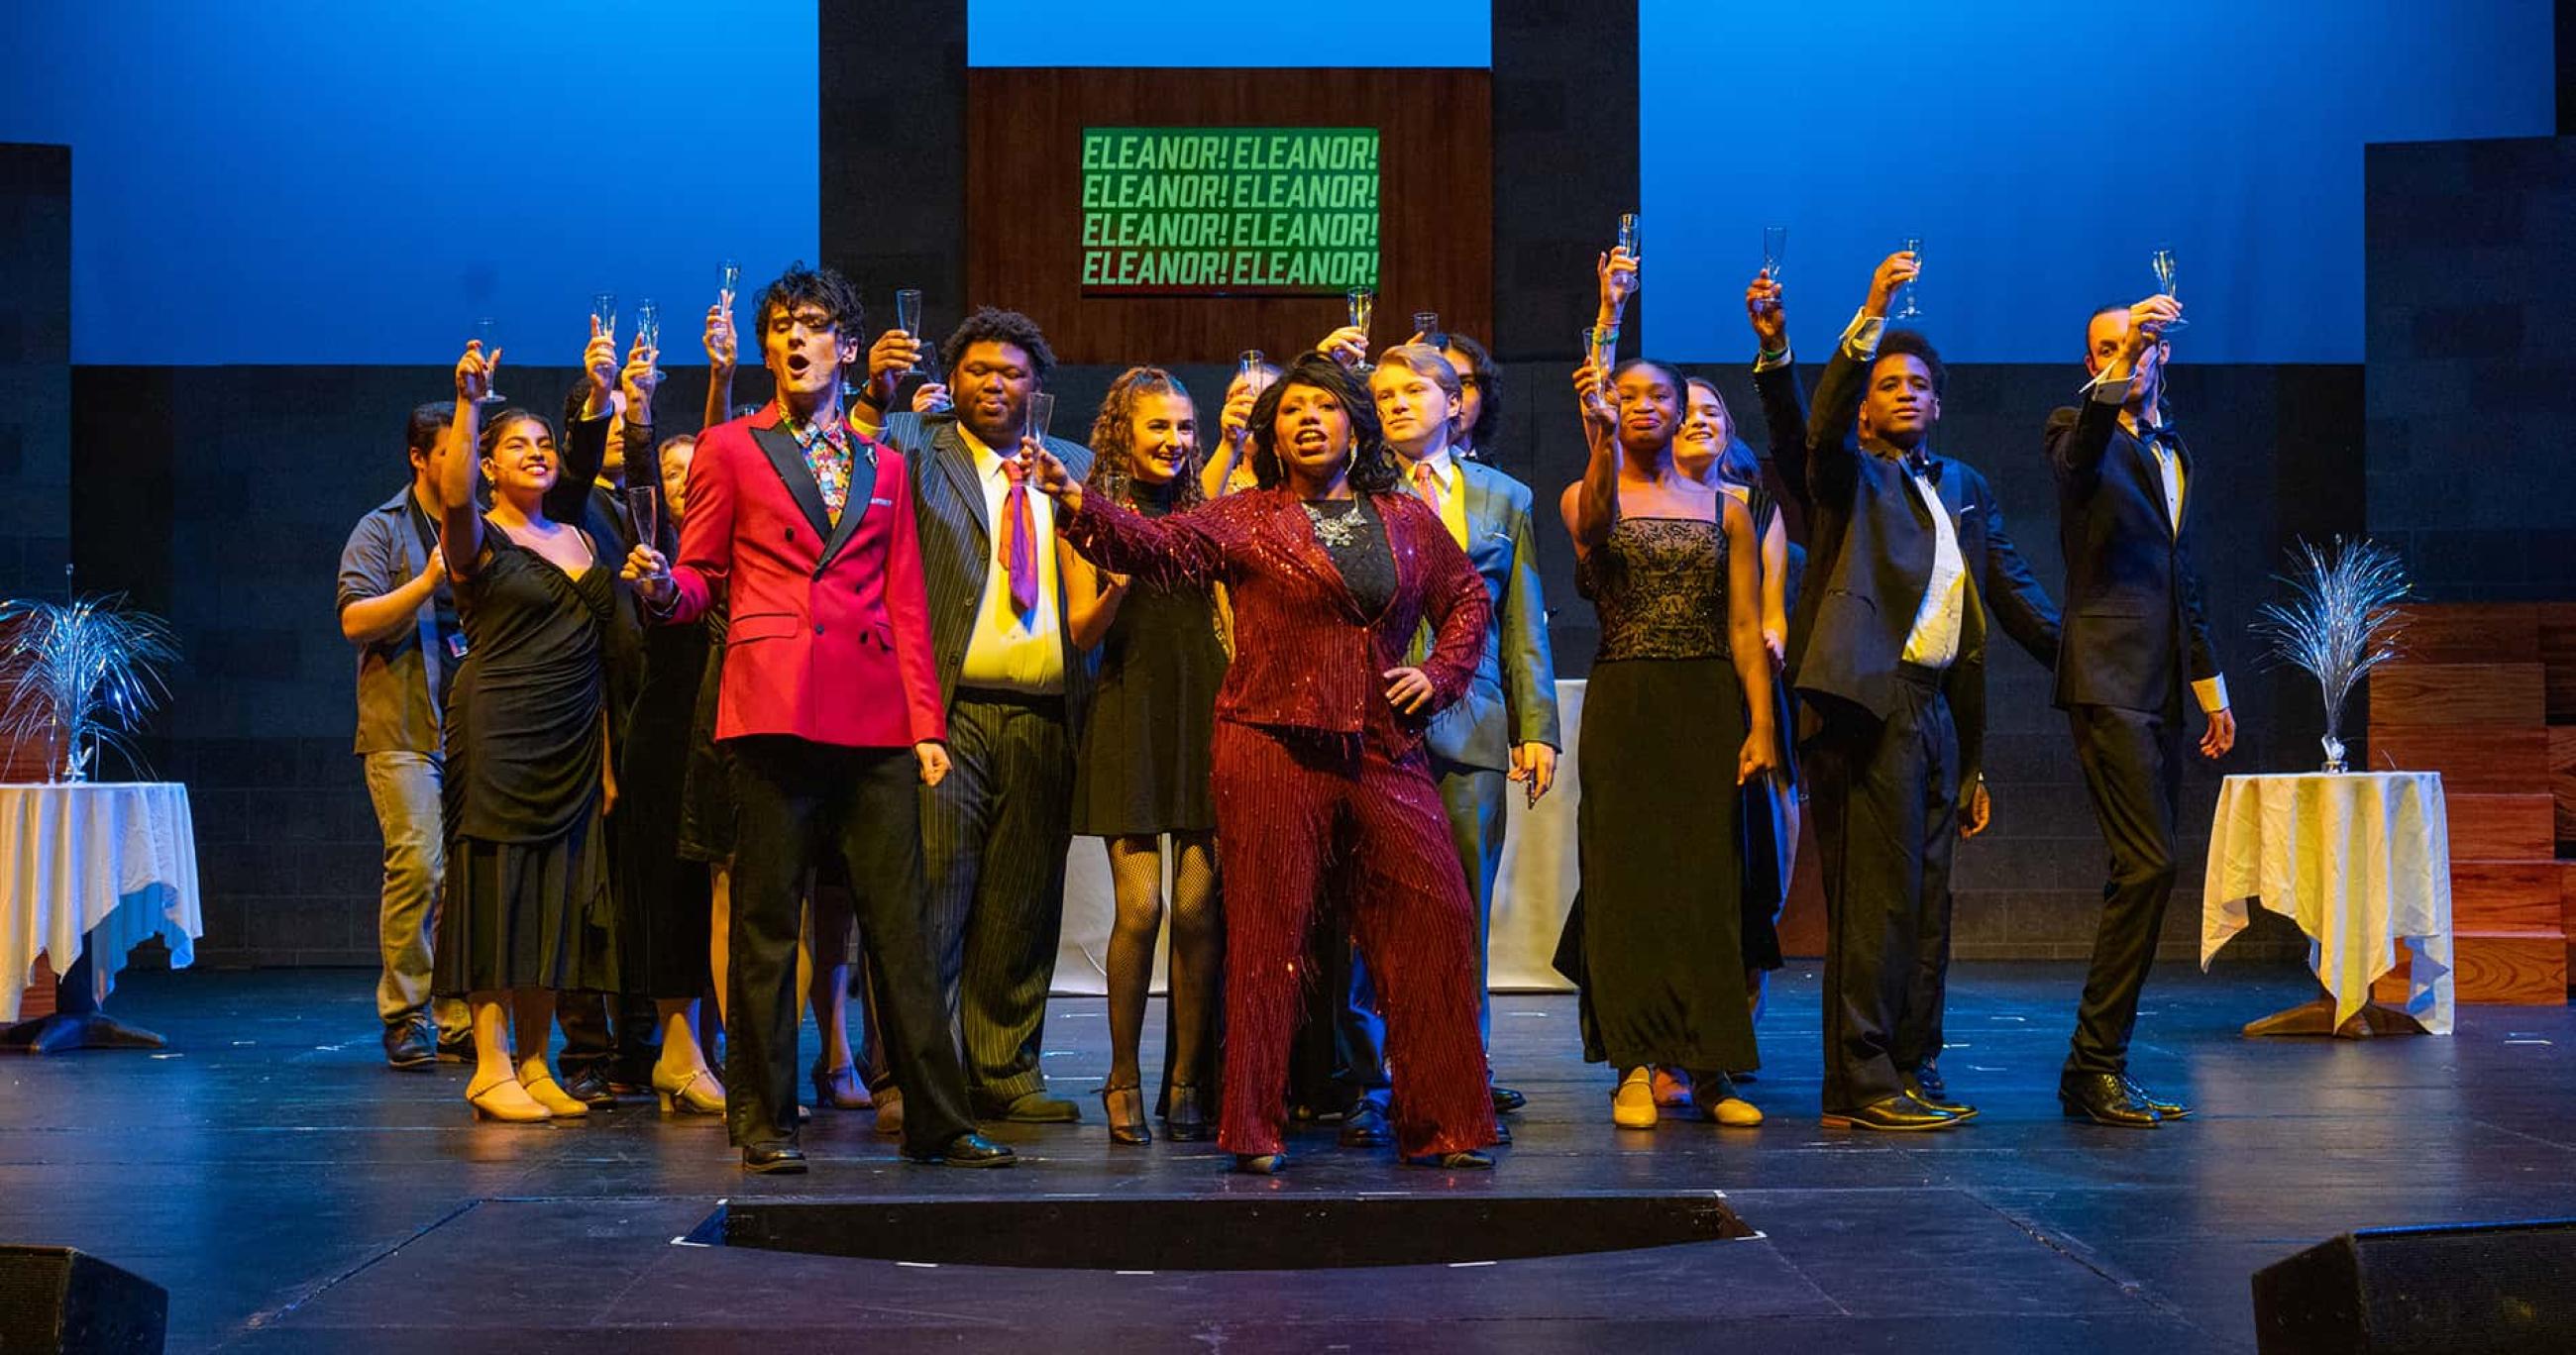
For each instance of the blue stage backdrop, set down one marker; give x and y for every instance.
(301, 182)
(2042, 150)
(1148, 33)
(297, 181)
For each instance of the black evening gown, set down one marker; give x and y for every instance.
(1655, 938)
(706, 797)
(527, 900)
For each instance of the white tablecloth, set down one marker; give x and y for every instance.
(1531, 895)
(2361, 861)
(113, 862)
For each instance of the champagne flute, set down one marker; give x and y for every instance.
(1427, 324)
(1631, 234)
(1041, 414)
(732, 280)
(1601, 346)
(907, 316)
(643, 513)
(603, 312)
(1913, 246)
(2162, 262)
(1362, 302)
(648, 325)
(930, 375)
(1247, 368)
(1775, 248)
(483, 332)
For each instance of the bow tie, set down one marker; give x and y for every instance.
(1917, 463)
(2164, 432)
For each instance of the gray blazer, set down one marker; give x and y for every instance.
(1512, 699)
(957, 546)
(398, 677)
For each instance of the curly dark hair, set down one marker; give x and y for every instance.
(1487, 375)
(1372, 466)
(1113, 439)
(991, 324)
(818, 287)
(1910, 343)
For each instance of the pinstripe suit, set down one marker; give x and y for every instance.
(995, 832)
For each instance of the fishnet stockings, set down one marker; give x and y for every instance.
(1198, 947)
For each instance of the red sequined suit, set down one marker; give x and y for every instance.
(1323, 791)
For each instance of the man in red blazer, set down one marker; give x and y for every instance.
(829, 715)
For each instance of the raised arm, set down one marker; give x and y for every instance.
(1833, 432)
(1592, 506)
(585, 442)
(1775, 379)
(2078, 438)
(1176, 550)
(1234, 439)
(460, 467)
(720, 344)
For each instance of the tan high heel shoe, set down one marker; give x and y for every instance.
(696, 1094)
(1633, 1107)
(503, 1099)
(549, 1093)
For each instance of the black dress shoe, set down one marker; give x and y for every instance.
(1502, 1132)
(590, 1087)
(1456, 1162)
(969, 1149)
(1938, 1101)
(1506, 1100)
(411, 1044)
(1366, 1127)
(2164, 1109)
(1898, 1114)
(2104, 1099)
(774, 1159)
(456, 1048)
(1037, 1108)
(1183, 1120)
(1929, 1078)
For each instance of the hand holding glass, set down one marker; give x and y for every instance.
(1910, 311)
(491, 351)
(2162, 263)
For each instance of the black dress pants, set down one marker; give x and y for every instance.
(1885, 796)
(2133, 763)
(796, 804)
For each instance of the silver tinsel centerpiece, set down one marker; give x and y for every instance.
(2341, 621)
(79, 676)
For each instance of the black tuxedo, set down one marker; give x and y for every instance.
(1891, 749)
(2136, 633)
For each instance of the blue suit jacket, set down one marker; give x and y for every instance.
(1512, 698)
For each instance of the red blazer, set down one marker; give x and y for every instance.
(1305, 657)
(829, 636)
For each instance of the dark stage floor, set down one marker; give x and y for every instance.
(294, 1194)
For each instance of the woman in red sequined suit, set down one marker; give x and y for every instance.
(1322, 787)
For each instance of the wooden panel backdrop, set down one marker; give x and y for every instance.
(1024, 202)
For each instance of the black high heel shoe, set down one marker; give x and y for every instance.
(1128, 1129)
(1183, 1121)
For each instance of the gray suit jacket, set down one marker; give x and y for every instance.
(957, 546)
(1512, 699)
